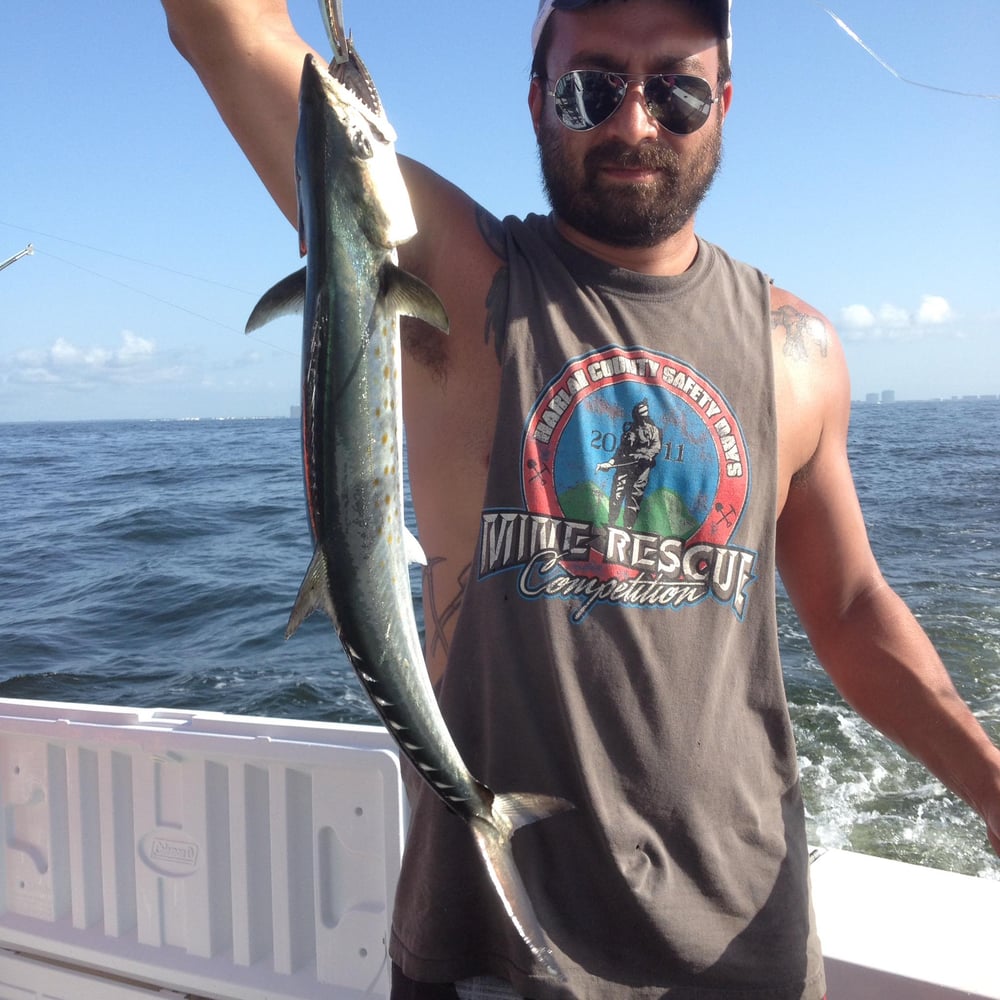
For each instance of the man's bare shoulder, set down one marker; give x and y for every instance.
(802, 332)
(811, 384)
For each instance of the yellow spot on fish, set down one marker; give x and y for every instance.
(385, 439)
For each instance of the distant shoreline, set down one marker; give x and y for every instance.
(292, 417)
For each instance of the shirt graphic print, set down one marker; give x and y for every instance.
(634, 477)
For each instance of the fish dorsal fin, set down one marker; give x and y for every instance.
(286, 298)
(410, 296)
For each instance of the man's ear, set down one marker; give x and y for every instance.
(727, 98)
(536, 101)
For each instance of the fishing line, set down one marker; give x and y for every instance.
(852, 34)
(121, 256)
(150, 295)
(132, 288)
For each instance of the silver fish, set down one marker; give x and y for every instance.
(353, 212)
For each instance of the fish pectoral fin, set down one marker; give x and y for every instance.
(286, 298)
(314, 594)
(413, 549)
(410, 296)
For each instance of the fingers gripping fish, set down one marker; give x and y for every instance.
(353, 212)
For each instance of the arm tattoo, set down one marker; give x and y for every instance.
(438, 620)
(492, 232)
(802, 331)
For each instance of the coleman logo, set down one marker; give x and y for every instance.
(175, 851)
(169, 853)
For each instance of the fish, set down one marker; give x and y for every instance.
(354, 211)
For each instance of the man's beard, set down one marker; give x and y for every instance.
(627, 215)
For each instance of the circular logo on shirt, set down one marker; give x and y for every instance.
(635, 478)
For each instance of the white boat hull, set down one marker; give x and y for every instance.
(168, 853)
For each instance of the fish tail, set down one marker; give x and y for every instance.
(494, 842)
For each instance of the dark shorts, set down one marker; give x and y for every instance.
(484, 988)
(480, 989)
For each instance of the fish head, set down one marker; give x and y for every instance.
(345, 135)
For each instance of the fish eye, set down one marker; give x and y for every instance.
(362, 145)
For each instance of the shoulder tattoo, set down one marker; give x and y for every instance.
(804, 333)
(491, 230)
(495, 330)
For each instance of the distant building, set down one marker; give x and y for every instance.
(295, 412)
(872, 397)
(888, 395)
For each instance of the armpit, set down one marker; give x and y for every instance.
(800, 479)
(427, 346)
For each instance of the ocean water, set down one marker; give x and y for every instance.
(154, 564)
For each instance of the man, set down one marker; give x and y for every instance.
(634, 673)
(634, 460)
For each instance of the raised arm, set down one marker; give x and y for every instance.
(249, 57)
(865, 637)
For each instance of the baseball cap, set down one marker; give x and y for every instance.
(720, 11)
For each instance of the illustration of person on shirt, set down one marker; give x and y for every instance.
(633, 462)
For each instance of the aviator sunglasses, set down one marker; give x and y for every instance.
(586, 98)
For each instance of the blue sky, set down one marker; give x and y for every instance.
(872, 199)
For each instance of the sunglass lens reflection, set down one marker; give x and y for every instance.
(680, 104)
(586, 98)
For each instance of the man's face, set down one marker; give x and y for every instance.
(628, 182)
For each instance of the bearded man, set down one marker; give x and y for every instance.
(634, 674)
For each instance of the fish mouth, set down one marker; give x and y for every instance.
(352, 74)
(340, 85)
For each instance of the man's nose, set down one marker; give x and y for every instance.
(632, 121)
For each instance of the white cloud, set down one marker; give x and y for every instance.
(135, 347)
(893, 322)
(892, 317)
(934, 310)
(134, 361)
(857, 318)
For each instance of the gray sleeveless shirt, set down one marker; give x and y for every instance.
(617, 647)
